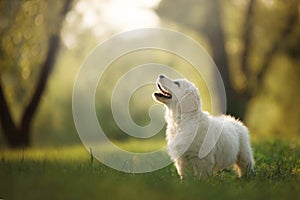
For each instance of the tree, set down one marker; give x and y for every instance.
(28, 12)
(207, 18)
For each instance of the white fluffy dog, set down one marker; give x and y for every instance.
(197, 142)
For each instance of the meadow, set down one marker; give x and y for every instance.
(71, 173)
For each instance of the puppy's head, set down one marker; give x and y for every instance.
(178, 95)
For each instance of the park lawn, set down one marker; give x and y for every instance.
(68, 173)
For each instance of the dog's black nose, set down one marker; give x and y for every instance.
(161, 76)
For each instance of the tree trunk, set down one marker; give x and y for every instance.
(15, 137)
(19, 136)
(214, 32)
(237, 102)
(34, 103)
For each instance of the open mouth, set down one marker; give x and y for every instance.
(163, 93)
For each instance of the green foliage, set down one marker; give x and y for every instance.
(67, 173)
(275, 111)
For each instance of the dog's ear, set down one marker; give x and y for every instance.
(189, 103)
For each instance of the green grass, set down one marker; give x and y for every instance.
(68, 173)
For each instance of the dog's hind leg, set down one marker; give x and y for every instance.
(180, 169)
(245, 161)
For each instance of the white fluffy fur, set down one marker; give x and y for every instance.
(184, 115)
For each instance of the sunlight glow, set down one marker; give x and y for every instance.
(108, 16)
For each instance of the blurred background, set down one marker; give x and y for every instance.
(254, 43)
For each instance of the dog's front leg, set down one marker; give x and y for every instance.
(203, 168)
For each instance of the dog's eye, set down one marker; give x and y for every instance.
(177, 83)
